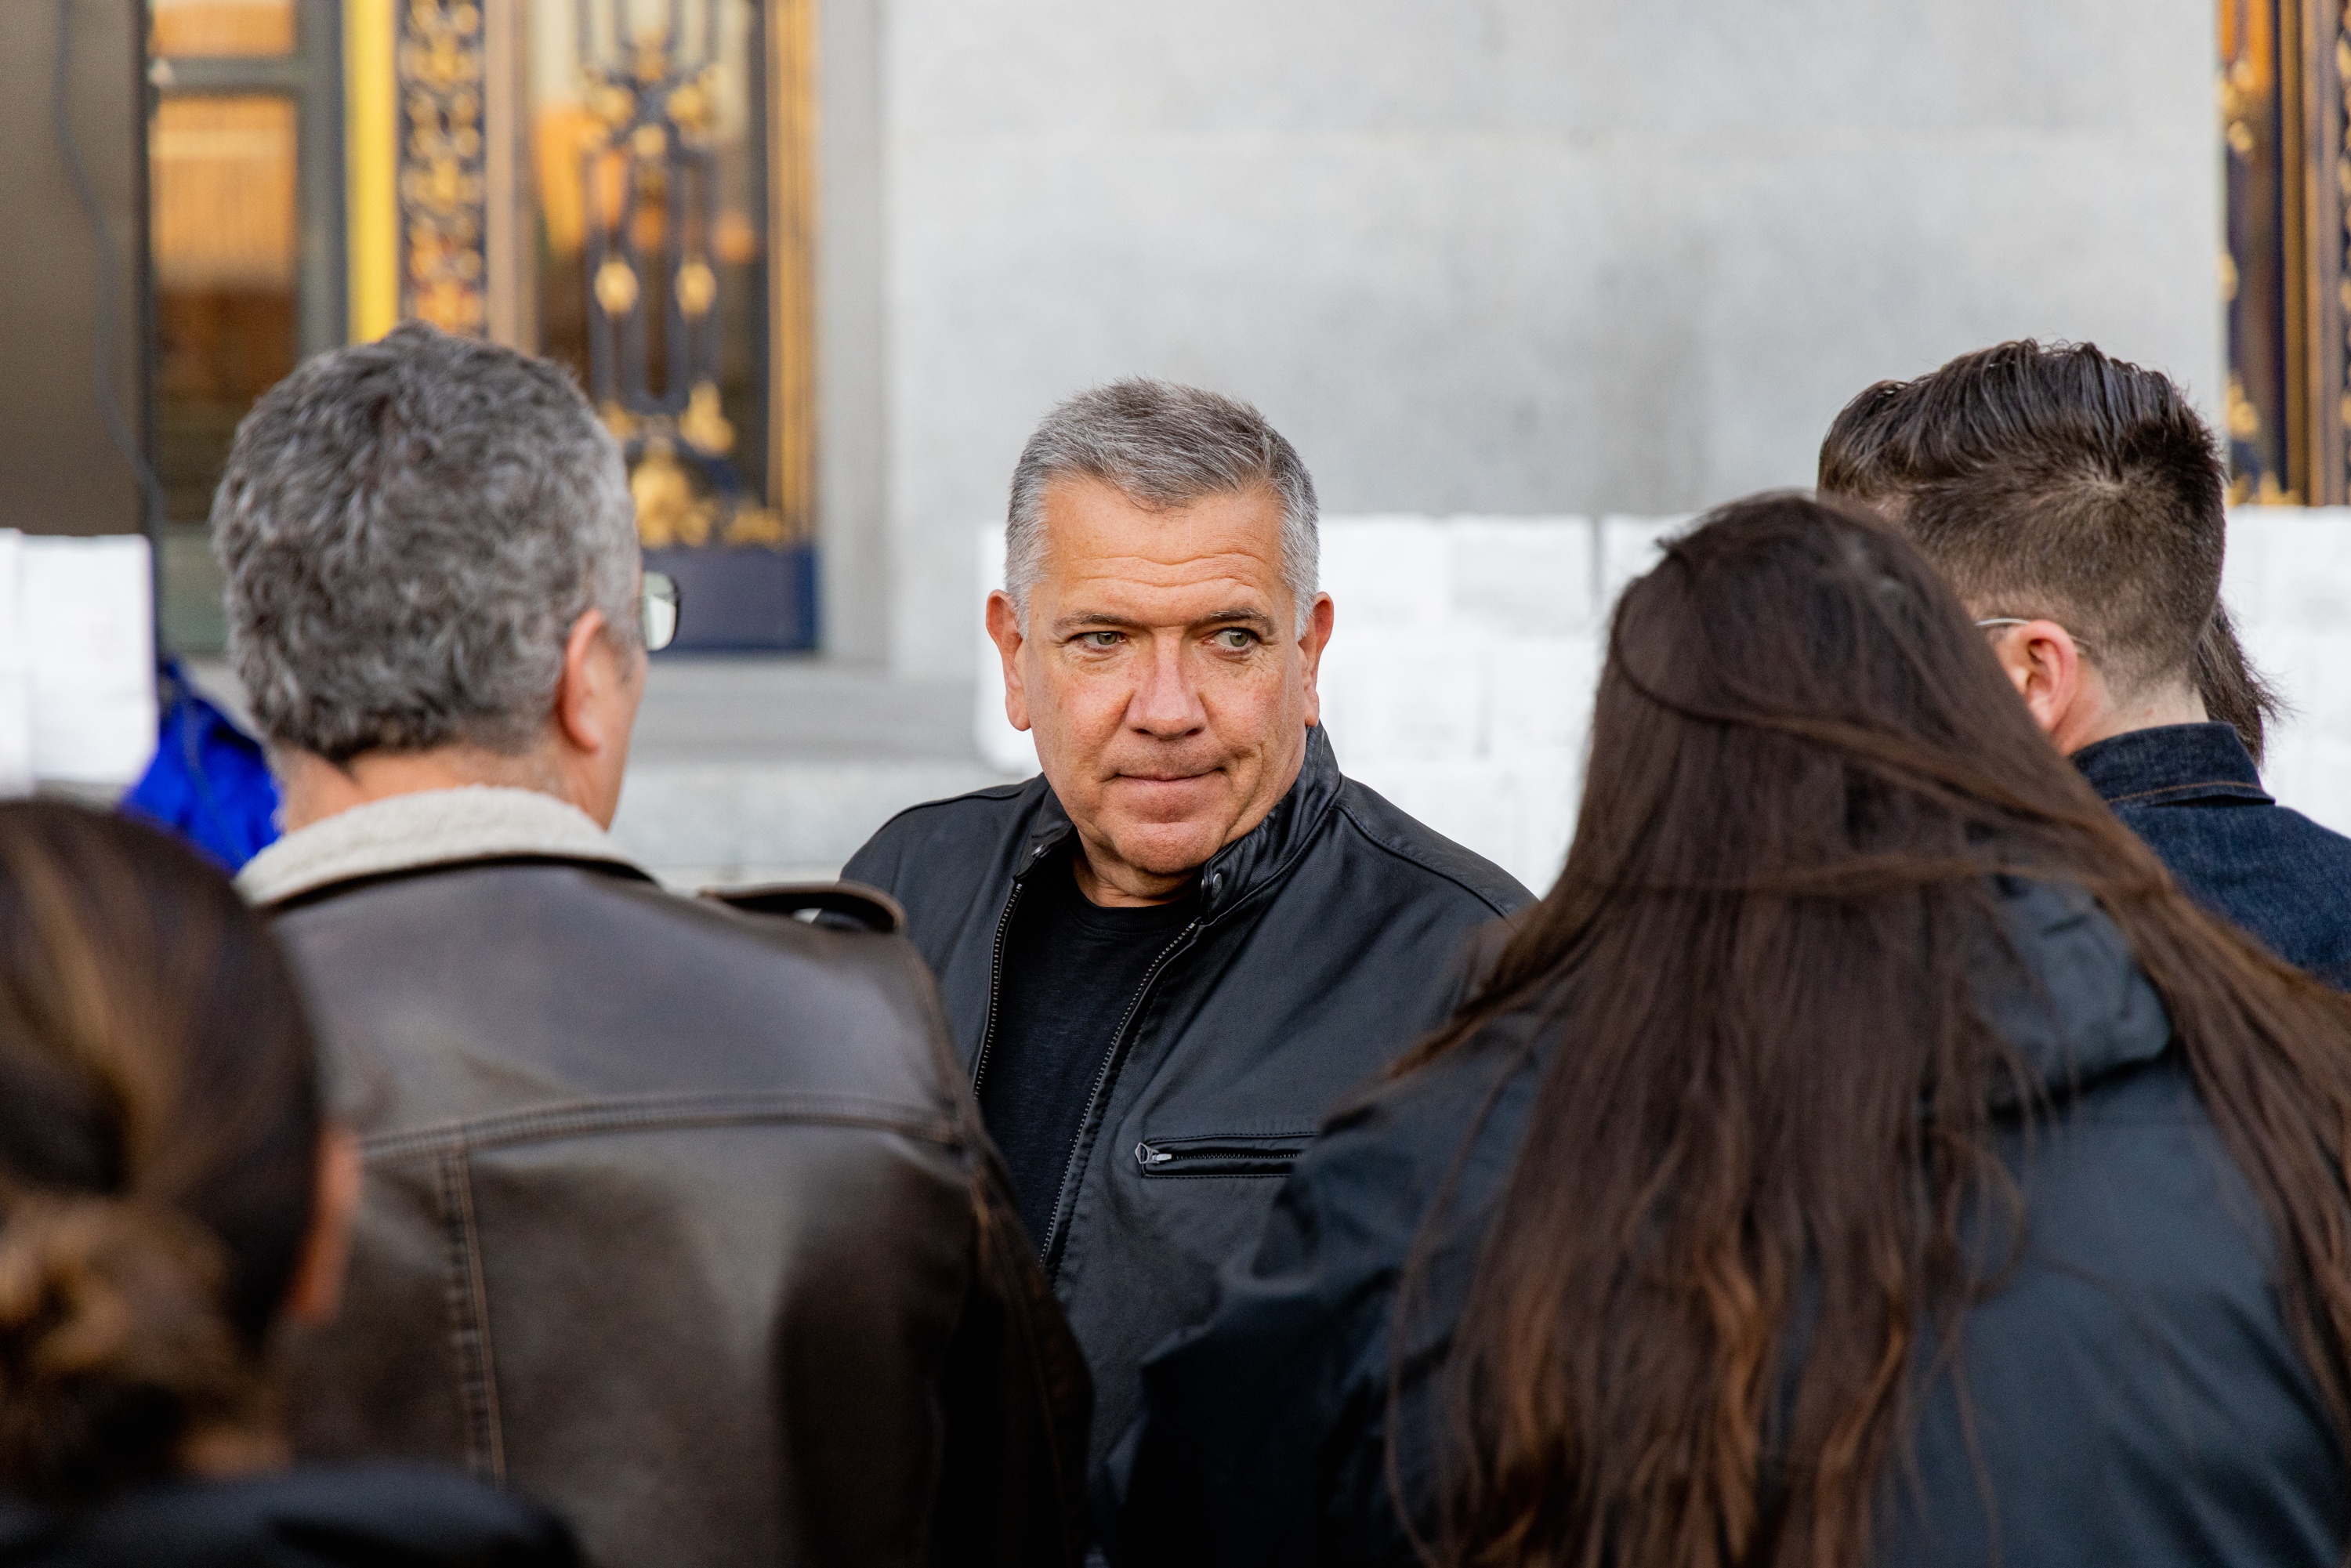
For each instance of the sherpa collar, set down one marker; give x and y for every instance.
(433, 827)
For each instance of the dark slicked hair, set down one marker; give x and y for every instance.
(2059, 482)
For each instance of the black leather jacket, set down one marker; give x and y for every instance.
(681, 1219)
(1327, 942)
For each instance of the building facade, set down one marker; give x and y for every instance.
(824, 262)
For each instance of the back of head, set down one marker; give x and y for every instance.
(1162, 446)
(1745, 1194)
(159, 1132)
(2059, 481)
(410, 528)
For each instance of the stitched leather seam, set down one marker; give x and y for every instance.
(469, 1321)
(654, 1113)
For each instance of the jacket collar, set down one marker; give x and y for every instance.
(2172, 765)
(433, 827)
(1256, 858)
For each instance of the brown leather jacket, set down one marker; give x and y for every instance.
(679, 1217)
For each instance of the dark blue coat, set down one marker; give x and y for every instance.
(2135, 1397)
(384, 1515)
(2192, 792)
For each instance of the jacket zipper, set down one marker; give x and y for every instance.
(1239, 1155)
(1093, 1099)
(994, 986)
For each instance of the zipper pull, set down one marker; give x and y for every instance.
(1144, 1154)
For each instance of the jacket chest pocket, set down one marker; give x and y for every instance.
(1222, 1155)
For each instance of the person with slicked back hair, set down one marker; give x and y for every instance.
(2077, 503)
(1864, 1155)
(168, 1196)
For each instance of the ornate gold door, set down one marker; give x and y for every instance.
(2283, 280)
(620, 185)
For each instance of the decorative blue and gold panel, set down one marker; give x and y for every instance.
(2284, 274)
(620, 185)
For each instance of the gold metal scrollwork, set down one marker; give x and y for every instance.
(442, 180)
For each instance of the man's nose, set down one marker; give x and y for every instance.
(1167, 700)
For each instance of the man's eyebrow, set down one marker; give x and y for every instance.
(1096, 619)
(1254, 617)
(1103, 621)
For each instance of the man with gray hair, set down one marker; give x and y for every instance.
(1165, 958)
(675, 1214)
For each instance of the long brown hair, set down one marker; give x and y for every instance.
(1772, 1093)
(159, 1136)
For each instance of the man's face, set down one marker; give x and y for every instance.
(1164, 677)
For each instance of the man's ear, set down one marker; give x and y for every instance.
(1310, 643)
(316, 1292)
(1003, 630)
(2044, 663)
(591, 669)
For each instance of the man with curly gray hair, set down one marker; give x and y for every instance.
(433, 571)
(662, 1195)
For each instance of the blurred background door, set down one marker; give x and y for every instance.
(245, 225)
(617, 184)
(667, 142)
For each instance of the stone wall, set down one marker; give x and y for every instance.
(2289, 588)
(1459, 683)
(1516, 256)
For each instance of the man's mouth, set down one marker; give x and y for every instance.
(1166, 776)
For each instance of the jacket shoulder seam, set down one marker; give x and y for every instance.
(661, 1112)
(993, 792)
(1400, 852)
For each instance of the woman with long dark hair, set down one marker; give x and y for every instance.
(169, 1196)
(1864, 1155)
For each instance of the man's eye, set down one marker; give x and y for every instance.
(1099, 640)
(1235, 640)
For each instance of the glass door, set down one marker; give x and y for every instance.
(245, 242)
(666, 140)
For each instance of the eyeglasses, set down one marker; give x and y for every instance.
(657, 610)
(2018, 621)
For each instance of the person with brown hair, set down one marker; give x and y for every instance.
(1865, 1154)
(168, 1196)
(2076, 502)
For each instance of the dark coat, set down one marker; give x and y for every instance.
(361, 1516)
(2136, 1395)
(2192, 792)
(1326, 943)
(682, 1219)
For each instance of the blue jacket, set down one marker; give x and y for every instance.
(2192, 792)
(2134, 1395)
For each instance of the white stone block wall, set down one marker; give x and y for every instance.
(2289, 588)
(1458, 681)
(77, 661)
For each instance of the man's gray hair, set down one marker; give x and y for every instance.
(410, 528)
(1161, 445)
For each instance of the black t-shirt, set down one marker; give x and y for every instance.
(1072, 969)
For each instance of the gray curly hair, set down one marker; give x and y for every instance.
(1161, 445)
(410, 528)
